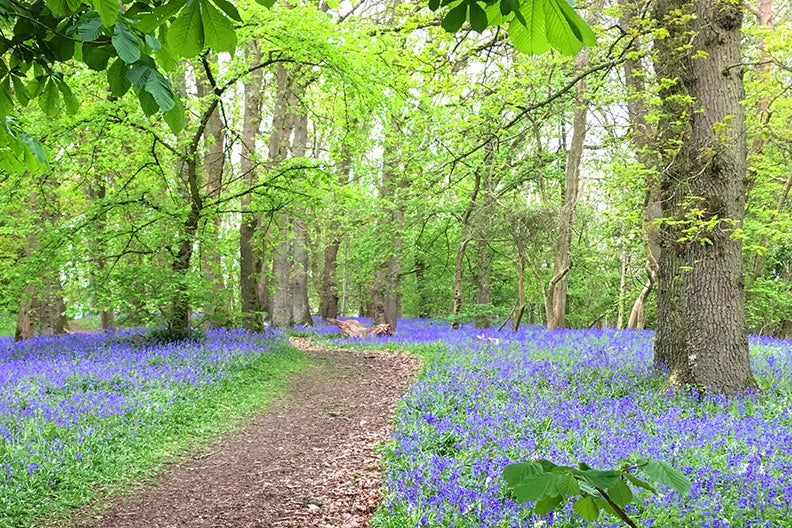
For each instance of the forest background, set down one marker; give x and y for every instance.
(368, 159)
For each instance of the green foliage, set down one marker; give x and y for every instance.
(550, 486)
(534, 26)
(48, 34)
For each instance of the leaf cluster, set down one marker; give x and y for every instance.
(534, 26)
(549, 485)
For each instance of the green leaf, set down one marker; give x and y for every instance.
(116, 78)
(547, 504)
(662, 472)
(219, 33)
(434, 5)
(266, 3)
(175, 117)
(186, 34)
(96, 57)
(147, 103)
(108, 11)
(6, 104)
(529, 41)
(126, 43)
(159, 87)
(72, 104)
(62, 48)
(49, 100)
(561, 30)
(455, 18)
(139, 74)
(640, 483)
(599, 478)
(58, 7)
(478, 18)
(229, 9)
(153, 43)
(36, 86)
(90, 29)
(586, 508)
(20, 90)
(579, 26)
(36, 148)
(620, 493)
(536, 487)
(568, 485)
(514, 473)
(159, 16)
(506, 7)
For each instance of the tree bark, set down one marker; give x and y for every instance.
(459, 261)
(483, 281)
(217, 310)
(556, 310)
(249, 263)
(279, 143)
(386, 299)
(717, 331)
(25, 328)
(674, 70)
(328, 299)
(301, 311)
(704, 186)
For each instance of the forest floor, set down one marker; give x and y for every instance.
(309, 461)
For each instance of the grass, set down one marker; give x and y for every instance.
(53, 466)
(7, 325)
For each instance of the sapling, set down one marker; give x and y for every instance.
(549, 485)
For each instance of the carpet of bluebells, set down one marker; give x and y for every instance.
(588, 396)
(73, 407)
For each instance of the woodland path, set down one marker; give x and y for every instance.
(307, 461)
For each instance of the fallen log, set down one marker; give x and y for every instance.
(352, 328)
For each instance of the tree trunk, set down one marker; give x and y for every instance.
(459, 262)
(217, 311)
(518, 314)
(622, 288)
(674, 68)
(301, 311)
(556, 311)
(704, 186)
(279, 143)
(386, 300)
(300, 306)
(51, 307)
(422, 284)
(484, 282)
(249, 263)
(328, 303)
(25, 328)
(717, 331)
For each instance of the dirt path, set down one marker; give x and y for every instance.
(308, 461)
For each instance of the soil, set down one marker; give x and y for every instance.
(310, 460)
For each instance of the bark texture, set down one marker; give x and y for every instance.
(717, 330)
(557, 290)
(704, 187)
(249, 264)
(301, 310)
(279, 144)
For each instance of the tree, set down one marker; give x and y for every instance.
(701, 317)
